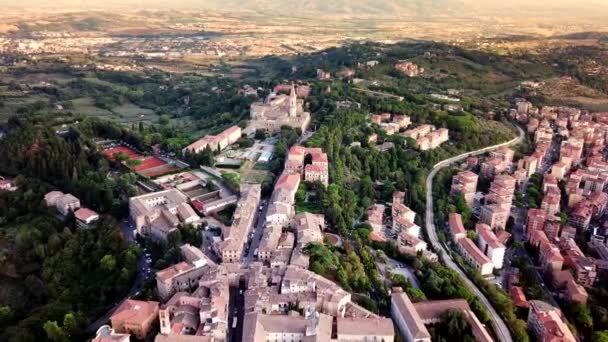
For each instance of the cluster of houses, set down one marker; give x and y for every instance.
(310, 165)
(486, 254)
(283, 300)
(569, 150)
(579, 139)
(68, 203)
(399, 226)
(391, 123)
(426, 137)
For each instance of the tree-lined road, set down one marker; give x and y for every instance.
(501, 329)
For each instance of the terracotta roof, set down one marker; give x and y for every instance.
(297, 150)
(172, 271)
(315, 168)
(288, 181)
(374, 236)
(135, 311)
(232, 130)
(503, 236)
(319, 158)
(365, 326)
(404, 306)
(430, 310)
(85, 214)
(469, 246)
(519, 298)
(455, 222)
(313, 150)
(485, 232)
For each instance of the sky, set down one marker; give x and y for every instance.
(345, 7)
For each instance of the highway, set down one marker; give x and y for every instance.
(500, 328)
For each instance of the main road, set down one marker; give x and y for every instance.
(501, 329)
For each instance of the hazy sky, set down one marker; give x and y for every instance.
(346, 7)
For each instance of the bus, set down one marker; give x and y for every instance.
(234, 321)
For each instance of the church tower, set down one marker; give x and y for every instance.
(293, 101)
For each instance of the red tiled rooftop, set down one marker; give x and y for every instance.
(471, 249)
(518, 296)
(455, 223)
(84, 214)
(288, 181)
(297, 150)
(315, 168)
(319, 158)
(135, 311)
(503, 236)
(171, 271)
(374, 236)
(485, 232)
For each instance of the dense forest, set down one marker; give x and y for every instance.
(53, 274)
(56, 277)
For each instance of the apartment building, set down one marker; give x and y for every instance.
(488, 243)
(546, 323)
(475, 257)
(465, 183)
(456, 227)
(427, 137)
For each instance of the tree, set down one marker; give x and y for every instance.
(108, 263)
(121, 157)
(133, 163)
(6, 315)
(69, 322)
(563, 217)
(260, 134)
(600, 336)
(54, 332)
(582, 316)
(454, 325)
(163, 120)
(520, 331)
(245, 142)
(174, 238)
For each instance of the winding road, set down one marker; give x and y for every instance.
(501, 329)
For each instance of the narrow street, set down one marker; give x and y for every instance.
(258, 232)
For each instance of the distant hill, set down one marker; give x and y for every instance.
(351, 8)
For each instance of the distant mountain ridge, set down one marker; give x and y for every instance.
(349, 8)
